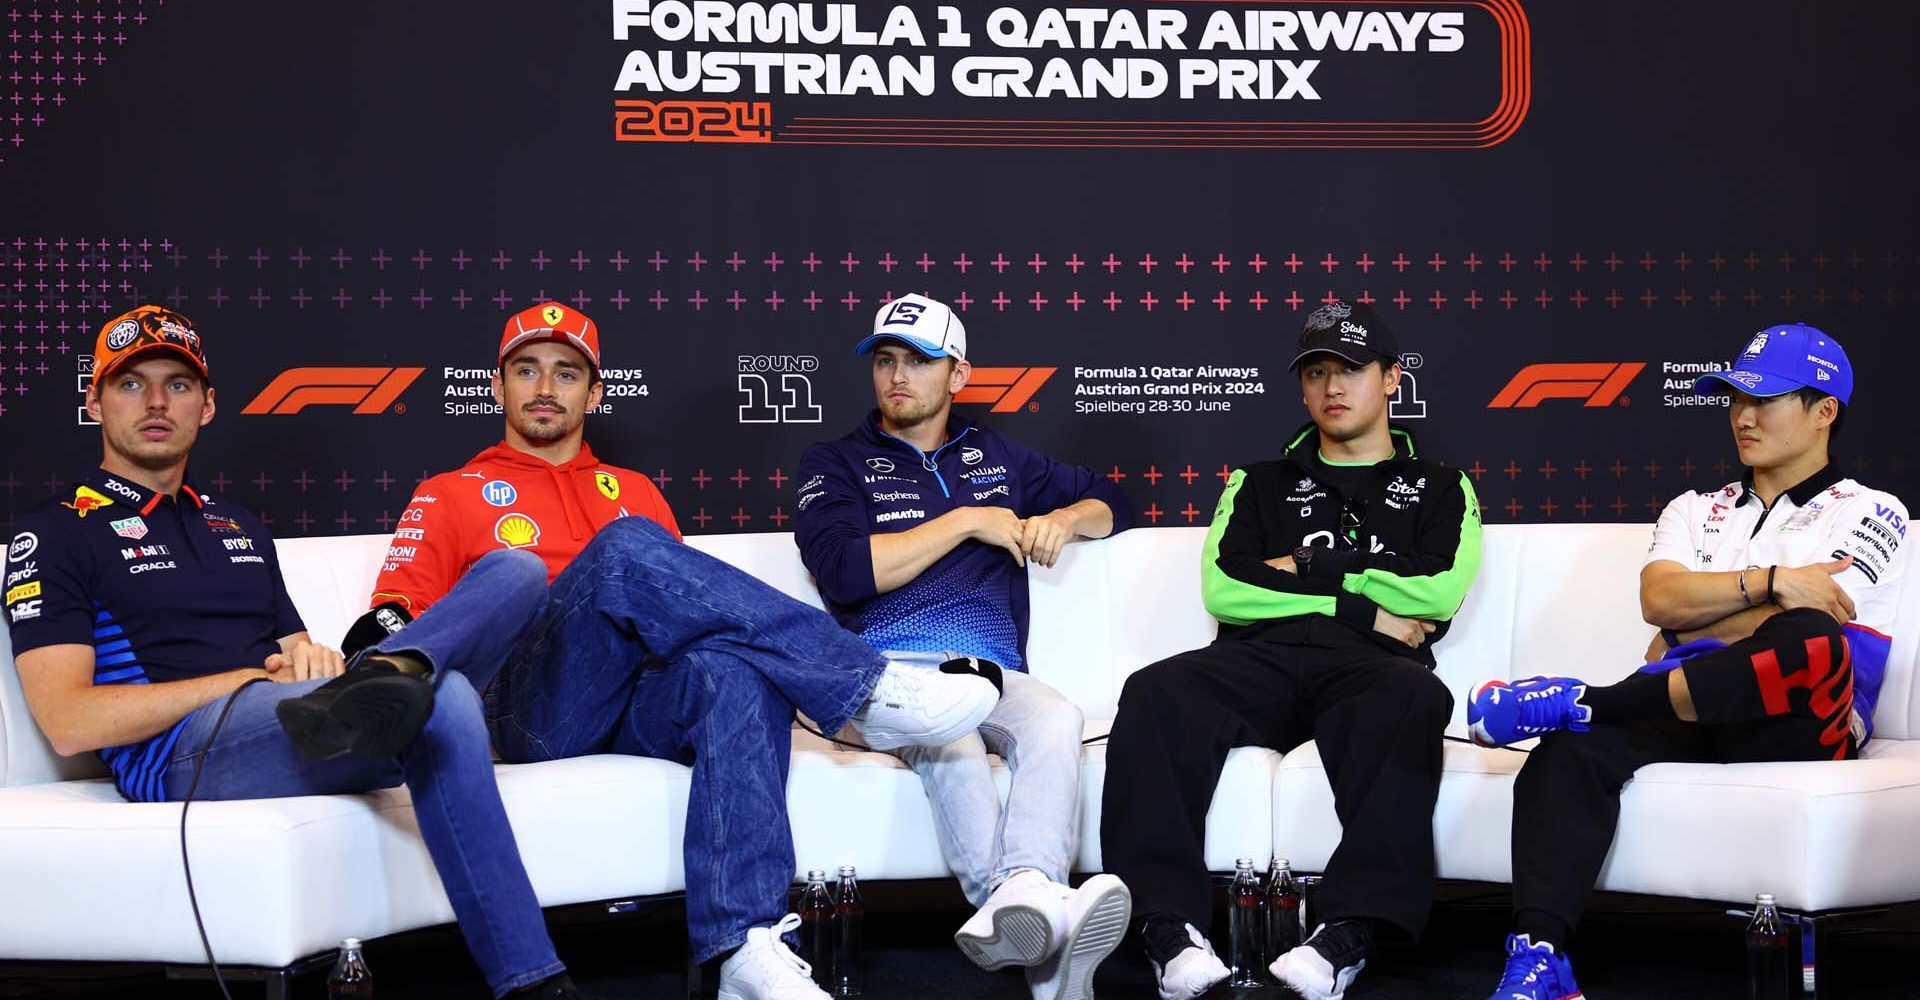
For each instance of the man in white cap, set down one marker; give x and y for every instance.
(918, 527)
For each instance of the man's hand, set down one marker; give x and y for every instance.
(1284, 564)
(1812, 587)
(307, 661)
(1411, 631)
(1043, 536)
(997, 526)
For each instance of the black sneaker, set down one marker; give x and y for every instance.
(559, 987)
(1329, 961)
(372, 710)
(1184, 964)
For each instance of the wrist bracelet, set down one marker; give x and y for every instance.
(1770, 571)
(1743, 587)
(1670, 637)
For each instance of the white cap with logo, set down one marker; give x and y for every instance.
(920, 323)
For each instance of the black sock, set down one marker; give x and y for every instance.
(1541, 927)
(1639, 698)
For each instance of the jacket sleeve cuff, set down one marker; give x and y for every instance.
(1331, 565)
(1355, 610)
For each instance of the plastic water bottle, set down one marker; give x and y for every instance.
(1767, 973)
(1245, 900)
(1283, 911)
(816, 927)
(350, 976)
(848, 914)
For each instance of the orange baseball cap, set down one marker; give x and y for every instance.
(143, 329)
(552, 321)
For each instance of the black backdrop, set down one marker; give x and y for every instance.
(375, 186)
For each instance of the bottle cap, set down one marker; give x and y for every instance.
(846, 871)
(1764, 899)
(1246, 863)
(1283, 863)
(350, 943)
(816, 875)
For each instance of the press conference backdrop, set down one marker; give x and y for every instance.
(1566, 211)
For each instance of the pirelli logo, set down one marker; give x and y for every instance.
(1597, 384)
(1007, 389)
(367, 390)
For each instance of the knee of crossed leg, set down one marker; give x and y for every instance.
(517, 576)
(457, 712)
(1061, 725)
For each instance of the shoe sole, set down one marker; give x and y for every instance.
(377, 718)
(1089, 942)
(1022, 935)
(1479, 735)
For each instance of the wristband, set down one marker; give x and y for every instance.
(1743, 586)
(1770, 571)
(1671, 637)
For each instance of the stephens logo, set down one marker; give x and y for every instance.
(517, 531)
(367, 390)
(1597, 384)
(1007, 389)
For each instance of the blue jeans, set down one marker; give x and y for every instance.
(448, 767)
(652, 648)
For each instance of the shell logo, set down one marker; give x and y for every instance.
(517, 531)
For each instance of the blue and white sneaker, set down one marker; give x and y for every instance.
(1535, 972)
(1500, 713)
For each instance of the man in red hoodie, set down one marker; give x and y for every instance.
(652, 648)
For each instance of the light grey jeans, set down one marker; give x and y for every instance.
(1037, 732)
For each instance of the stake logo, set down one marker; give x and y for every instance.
(1007, 389)
(1597, 384)
(367, 390)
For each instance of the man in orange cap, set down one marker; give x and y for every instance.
(132, 602)
(651, 648)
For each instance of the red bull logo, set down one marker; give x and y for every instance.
(86, 500)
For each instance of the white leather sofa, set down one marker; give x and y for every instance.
(87, 876)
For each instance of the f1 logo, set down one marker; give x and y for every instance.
(1008, 389)
(367, 390)
(1598, 383)
(904, 312)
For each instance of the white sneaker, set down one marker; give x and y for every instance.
(1327, 963)
(765, 969)
(917, 706)
(1023, 923)
(1097, 914)
(1194, 970)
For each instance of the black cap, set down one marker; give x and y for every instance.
(1354, 332)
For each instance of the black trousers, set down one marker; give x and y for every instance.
(1377, 715)
(1785, 693)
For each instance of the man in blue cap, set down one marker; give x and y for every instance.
(1774, 596)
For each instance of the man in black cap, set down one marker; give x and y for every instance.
(1332, 570)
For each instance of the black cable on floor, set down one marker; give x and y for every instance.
(186, 865)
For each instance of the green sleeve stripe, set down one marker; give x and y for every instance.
(1439, 596)
(1237, 602)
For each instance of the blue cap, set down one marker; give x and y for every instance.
(1781, 359)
